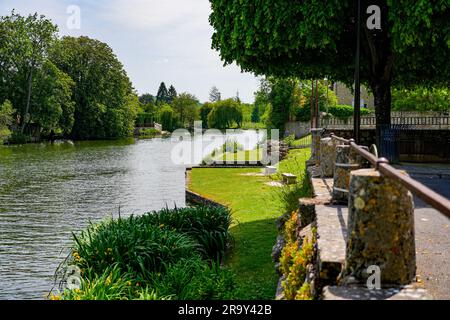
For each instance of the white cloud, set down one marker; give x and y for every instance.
(154, 14)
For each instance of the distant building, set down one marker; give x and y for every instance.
(345, 96)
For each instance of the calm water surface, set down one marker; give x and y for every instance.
(48, 191)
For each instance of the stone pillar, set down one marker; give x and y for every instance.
(346, 161)
(315, 147)
(380, 229)
(307, 211)
(327, 157)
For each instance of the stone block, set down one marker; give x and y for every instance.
(289, 178)
(327, 157)
(346, 161)
(316, 135)
(380, 229)
(307, 211)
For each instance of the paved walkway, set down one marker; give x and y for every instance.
(432, 231)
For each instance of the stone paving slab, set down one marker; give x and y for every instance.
(331, 243)
(332, 229)
(363, 293)
(322, 187)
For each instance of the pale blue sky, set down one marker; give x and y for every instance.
(156, 40)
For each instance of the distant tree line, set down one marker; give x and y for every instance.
(174, 110)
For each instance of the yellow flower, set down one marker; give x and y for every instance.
(108, 280)
(55, 297)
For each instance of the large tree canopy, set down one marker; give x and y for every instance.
(316, 39)
(105, 104)
(24, 45)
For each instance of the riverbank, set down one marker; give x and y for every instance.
(256, 204)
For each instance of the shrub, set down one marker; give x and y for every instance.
(18, 137)
(294, 266)
(112, 284)
(208, 225)
(135, 247)
(342, 111)
(289, 140)
(290, 228)
(159, 255)
(149, 133)
(195, 279)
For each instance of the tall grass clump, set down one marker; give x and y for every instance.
(171, 253)
(133, 246)
(207, 225)
(195, 279)
(289, 194)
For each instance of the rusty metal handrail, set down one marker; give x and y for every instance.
(431, 197)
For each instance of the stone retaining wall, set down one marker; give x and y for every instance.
(196, 199)
(297, 128)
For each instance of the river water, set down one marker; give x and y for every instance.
(48, 191)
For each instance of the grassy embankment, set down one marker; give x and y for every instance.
(255, 207)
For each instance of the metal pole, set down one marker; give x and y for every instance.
(316, 104)
(357, 103)
(313, 122)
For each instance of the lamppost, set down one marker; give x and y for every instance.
(357, 103)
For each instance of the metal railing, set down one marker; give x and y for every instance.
(413, 122)
(432, 198)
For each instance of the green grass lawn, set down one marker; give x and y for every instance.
(303, 141)
(245, 155)
(256, 207)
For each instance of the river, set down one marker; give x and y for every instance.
(49, 190)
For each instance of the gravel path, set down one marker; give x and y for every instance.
(433, 234)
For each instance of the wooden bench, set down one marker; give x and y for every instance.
(289, 178)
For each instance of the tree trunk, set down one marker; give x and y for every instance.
(381, 60)
(27, 107)
(382, 96)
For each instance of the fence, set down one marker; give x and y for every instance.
(413, 120)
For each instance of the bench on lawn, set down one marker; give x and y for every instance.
(289, 178)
